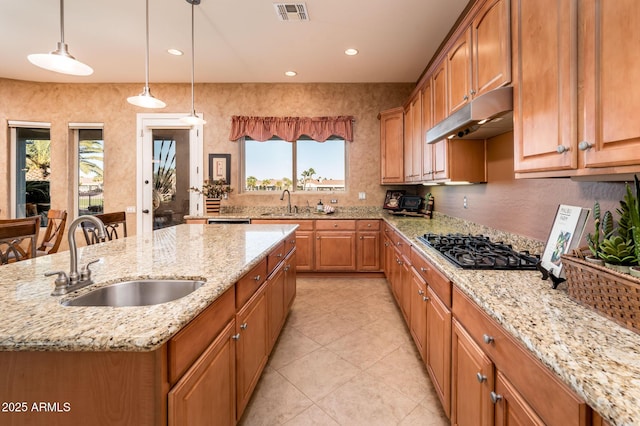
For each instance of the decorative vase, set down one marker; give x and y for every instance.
(212, 205)
(634, 271)
(594, 260)
(623, 269)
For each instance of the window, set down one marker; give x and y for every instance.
(304, 165)
(31, 169)
(90, 177)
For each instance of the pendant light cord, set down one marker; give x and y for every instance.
(146, 57)
(62, 22)
(193, 108)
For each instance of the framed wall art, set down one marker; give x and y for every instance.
(220, 167)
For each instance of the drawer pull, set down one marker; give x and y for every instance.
(495, 397)
(335, 225)
(488, 339)
(481, 377)
(236, 336)
(420, 292)
(257, 277)
(425, 299)
(423, 269)
(243, 326)
(368, 225)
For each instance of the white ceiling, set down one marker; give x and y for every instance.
(237, 41)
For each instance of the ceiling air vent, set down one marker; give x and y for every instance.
(291, 11)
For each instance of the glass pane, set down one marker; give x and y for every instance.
(268, 165)
(90, 171)
(321, 165)
(170, 177)
(33, 170)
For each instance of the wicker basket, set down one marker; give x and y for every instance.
(610, 293)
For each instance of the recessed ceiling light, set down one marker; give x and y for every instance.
(290, 73)
(175, 52)
(351, 52)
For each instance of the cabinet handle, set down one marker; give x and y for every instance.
(487, 339)
(368, 225)
(561, 149)
(286, 268)
(292, 241)
(481, 377)
(257, 277)
(584, 146)
(386, 244)
(317, 238)
(279, 255)
(420, 292)
(236, 336)
(473, 92)
(335, 225)
(495, 397)
(465, 97)
(399, 243)
(425, 299)
(243, 326)
(361, 237)
(423, 269)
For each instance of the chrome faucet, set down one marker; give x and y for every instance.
(66, 284)
(288, 199)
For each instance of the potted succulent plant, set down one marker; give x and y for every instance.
(603, 228)
(213, 191)
(632, 204)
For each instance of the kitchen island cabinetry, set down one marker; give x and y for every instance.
(524, 392)
(392, 146)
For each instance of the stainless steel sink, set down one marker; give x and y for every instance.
(280, 214)
(136, 293)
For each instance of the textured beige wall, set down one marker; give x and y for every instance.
(523, 206)
(61, 104)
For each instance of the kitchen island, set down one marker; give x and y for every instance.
(105, 365)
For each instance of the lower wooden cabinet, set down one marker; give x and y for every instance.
(251, 336)
(290, 280)
(275, 299)
(418, 323)
(438, 348)
(206, 393)
(511, 407)
(335, 251)
(305, 245)
(368, 251)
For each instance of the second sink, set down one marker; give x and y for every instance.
(136, 293)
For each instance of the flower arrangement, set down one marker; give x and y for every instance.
(213, 189)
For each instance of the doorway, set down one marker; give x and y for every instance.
(170, 162)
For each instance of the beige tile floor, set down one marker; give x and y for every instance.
(345, 357)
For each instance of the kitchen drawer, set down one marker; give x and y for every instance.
(289, 243)
(403, 245)
(276, 256)
(186, 346)
(335, 225)
(368, 225)
(551, 399)
(438, 282)
(250, 282)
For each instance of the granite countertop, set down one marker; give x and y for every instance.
(261, 212)
(593, 355)
(33, 320)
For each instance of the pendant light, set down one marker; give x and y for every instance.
(192, 119)
(60, 60)
(146, 99)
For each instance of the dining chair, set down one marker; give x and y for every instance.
(56, 222)
(113, 223)
(14, 235)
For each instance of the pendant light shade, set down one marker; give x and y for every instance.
(145, 99)
(192, 119)
(60, 60)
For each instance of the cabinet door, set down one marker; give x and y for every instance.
(491, 47)
(459, 72)
(368, 251)
(251, 347)
(276, 305)
(439, 87)
(511, 407)
(405, 286)
(389, 260)
(416, 138)
(418, 325)
(544, 87)
(335, 250)
(290, 280)
(305, 245)
(439, 348)
(472, 381)
(206, 393)
(408, 143)
(391, 146)
(396, 275)
(427, 123)
(610, 131)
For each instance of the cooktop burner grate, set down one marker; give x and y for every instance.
(479, 252)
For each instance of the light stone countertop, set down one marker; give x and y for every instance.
(33, 320)
(596, 357)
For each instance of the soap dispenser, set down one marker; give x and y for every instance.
(320, 206)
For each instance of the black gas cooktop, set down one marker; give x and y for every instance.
(479, 252)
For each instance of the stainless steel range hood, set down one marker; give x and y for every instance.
(488, 115)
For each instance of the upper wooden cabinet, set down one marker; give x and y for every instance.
(391, 146)
(573, 56)
(545, 88)
(427, 123)
(413, 140)
(479, 59)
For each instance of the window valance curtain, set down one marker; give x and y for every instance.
(291, 128)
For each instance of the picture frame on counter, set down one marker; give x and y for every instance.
(392, 199)
(220, 167)
(565, 235)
